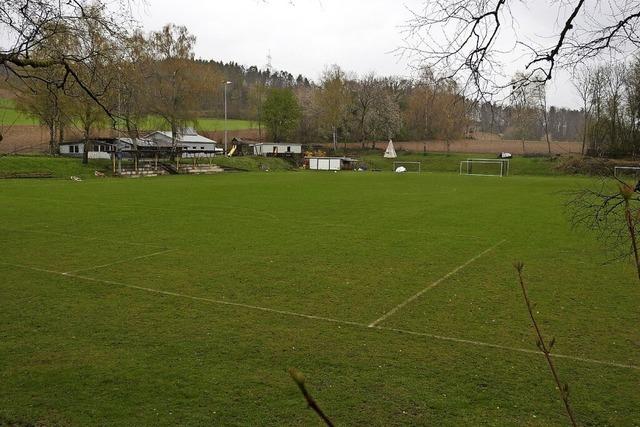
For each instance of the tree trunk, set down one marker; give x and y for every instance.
(60, 134)
(52, 139)
(85, 151)
(335, 140)
(584, 135)
(546, 132)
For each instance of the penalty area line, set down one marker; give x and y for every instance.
(432, 285)
(330, 320)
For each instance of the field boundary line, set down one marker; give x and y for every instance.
(122, 261)
(505, 347)
(432, 285)
(331, 320)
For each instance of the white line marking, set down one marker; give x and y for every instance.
(504, 347)
(29, 267)
(222, 302)
(431, 286)
(122, 261)
(328, 319)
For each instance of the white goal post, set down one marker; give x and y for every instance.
(482, 167)
(619, 170)
(410, 166)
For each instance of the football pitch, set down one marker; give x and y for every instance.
(183, 300)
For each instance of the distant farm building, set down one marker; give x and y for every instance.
(330, 163)
(189, 141)
(96, 149)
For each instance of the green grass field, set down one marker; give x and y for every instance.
(183, 300)
(205, 124)
(9, 116)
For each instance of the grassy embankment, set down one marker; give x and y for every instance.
(10, 116)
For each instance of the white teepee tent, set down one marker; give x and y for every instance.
(390, 152)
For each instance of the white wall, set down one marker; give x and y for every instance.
(98, 155)
(265, 149)
(67, 149)
(197, 146)
(324, 164)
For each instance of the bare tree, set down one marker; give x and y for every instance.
(257, 96)
(177, 82)
(365, 91)
(583, 83)
(88, 108)
(130, 91)
(474, 38)
(29, 25)
(47, 104)
(540, 94)
(333, 98)
(523, 101)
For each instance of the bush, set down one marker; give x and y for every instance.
(591, 166)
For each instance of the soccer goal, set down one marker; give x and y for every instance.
(485, 167)
(626, 171)
(415, 167)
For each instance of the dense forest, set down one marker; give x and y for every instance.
(410, 96)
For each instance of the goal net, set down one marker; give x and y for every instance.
(415, 167)
(484, 167)
(626, 172)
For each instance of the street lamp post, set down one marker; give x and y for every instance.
(227, 83)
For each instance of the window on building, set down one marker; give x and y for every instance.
(288, 149)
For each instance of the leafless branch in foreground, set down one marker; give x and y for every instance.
(474, 39)
(546, 348)
(612, 211)
(299, 379)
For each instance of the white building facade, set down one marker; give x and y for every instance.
(275, 149)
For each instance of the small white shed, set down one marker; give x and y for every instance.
(275, 149)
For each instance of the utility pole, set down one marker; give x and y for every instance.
(227, 83)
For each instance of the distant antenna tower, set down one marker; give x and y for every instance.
(269, 66)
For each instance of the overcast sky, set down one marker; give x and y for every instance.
(308, 35)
